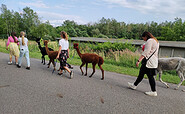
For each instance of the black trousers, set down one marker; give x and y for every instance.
(150, 72)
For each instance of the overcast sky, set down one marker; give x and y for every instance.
(90, 11)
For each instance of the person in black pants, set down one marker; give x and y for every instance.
(149, 65)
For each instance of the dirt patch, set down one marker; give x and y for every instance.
(60, 95)
(4, 86)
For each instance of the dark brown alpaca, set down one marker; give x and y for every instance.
(90, 58)
(51, 54)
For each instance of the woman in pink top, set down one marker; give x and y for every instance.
(150, 55)
(13, 43)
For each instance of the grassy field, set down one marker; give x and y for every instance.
(117, 61)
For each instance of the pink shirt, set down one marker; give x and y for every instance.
(10, 39)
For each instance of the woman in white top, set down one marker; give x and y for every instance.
(63, 53)
(149, 65)
(23, 50)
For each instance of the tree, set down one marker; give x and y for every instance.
(30, 20)
(7, 18)
(95, 32)
(39, 31)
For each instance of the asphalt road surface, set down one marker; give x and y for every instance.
(38, 91)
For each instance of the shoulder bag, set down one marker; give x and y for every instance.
(143, 62)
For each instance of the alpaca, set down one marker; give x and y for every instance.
(42, 50)
(90, 58)
(51, 54)
(172, 63)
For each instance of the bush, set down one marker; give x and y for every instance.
(102, 36)
(113, 46)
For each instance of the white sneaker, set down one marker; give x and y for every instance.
(131, 85)
(151, 93)
(9, 63)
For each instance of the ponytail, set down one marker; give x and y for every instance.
(22, 35)
(64, 35)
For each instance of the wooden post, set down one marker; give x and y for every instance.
(172, 54)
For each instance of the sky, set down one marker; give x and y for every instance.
(91, 11)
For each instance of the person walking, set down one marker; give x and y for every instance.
(23, 50)
(13, 43)
(149, 58)
(63, 53)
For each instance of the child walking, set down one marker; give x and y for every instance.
(23, 50)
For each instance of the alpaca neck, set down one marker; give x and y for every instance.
(78, 51)
(47, 50)
(39, 45)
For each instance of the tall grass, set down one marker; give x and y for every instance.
(126, 55)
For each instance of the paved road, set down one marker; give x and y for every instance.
(37, 91)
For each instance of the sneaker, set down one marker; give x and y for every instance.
(16, 63)
(131, 85)
(60, 73)
(151, 93)
(71, 74)
(9, 63)
(28, 68)
(18, 66)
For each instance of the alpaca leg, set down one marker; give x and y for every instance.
(49, 63)
(102, 72)
(86, 69)
(44, 60)
(81, 68)
(155, 76)
(53, 62)
(93, 70)
(160, 79)
(180, 74)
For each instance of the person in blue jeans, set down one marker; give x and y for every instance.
(23, 50)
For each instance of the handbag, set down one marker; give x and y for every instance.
(144, 61)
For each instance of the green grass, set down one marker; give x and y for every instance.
(109, 65)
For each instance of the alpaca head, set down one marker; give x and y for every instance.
(75, 45)
(45, 42)
(37, 39)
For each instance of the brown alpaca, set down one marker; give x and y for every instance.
(51, 54)
(90, 58)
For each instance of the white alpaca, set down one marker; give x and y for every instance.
(172, 63)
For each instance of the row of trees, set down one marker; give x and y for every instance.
(29, 22)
